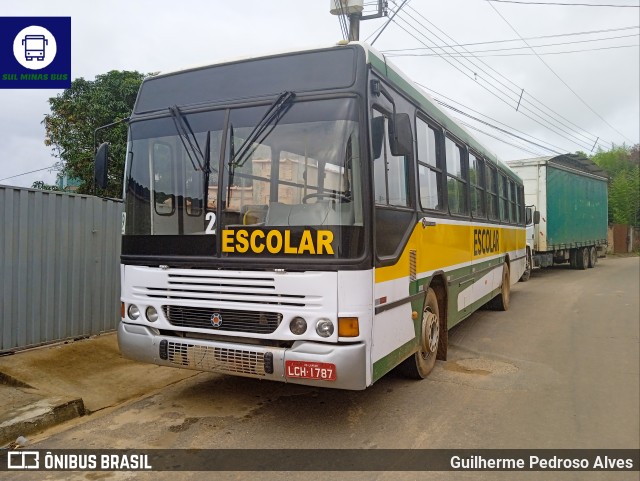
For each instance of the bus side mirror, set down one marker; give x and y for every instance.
(100, 167)
(400, 135)
(536, 217)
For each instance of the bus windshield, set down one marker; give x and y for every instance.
(187, 175)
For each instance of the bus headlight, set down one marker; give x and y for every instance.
(133, 312)
(152, 314)
(324, 328)
(298, 326)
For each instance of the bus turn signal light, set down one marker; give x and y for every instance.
(348, 327)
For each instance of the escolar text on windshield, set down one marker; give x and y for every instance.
(277, 242)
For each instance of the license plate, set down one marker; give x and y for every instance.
(322, 371)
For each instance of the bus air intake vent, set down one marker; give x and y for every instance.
(216, 359)
(255, 322)
(250, 290)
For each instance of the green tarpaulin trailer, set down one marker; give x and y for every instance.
(570, 194)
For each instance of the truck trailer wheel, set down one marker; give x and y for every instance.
(593, 256)
(582, 258)
(501, 301)
(420, 364)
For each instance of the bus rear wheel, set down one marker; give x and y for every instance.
(420, 364)
(501, 301)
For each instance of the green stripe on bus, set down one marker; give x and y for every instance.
(391, 360)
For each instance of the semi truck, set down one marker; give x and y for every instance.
(566, 198)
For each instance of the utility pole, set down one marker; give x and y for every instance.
(354, 26)
(353, 10)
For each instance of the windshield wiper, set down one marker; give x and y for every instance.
(184, 129)
(271, 118)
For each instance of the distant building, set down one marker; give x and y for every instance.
(66, 183)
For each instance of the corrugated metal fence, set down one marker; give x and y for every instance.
(59, 266)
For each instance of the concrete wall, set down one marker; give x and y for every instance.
(59, 266)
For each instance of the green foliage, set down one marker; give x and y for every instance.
(623, 166)
(42, 186)
(82, 108)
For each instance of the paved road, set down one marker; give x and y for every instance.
(559, 370)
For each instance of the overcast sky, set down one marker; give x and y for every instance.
(593, 93)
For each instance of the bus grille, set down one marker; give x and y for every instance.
(223, 319)
(220, 288)
(216, 359)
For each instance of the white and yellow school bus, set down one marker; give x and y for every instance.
(308, 217)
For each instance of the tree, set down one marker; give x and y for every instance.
(623, 166)
(78, 111)
(39, 184)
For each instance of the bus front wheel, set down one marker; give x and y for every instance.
(420, 364)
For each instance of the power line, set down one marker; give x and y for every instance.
(30, 172)
(529, 38)
(574, 139)
(577, 141)
(461, 112)
(474, 53)
(524, 149)
(521, 48)
(590, 139)
(341, 19)
(389, 21)
(558, 76)
(488, 117)
(567, 4)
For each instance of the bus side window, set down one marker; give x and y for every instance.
(456, 185)
(477, 185)
(391, 190)
(492, 192)
(429, 166)
(503, 193)
(513, 203)
(391, 183)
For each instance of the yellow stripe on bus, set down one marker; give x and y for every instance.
(444, 245)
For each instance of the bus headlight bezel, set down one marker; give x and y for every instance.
(133, 312)
(152, 314)
(298, 326)
(325, 328)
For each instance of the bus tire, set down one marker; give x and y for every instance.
(582, 258)
(527, 270)
(501, 301)
(421, 363)
(593, 256)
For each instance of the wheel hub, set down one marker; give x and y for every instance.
(431, 333)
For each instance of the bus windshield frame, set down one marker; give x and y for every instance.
(195, 188)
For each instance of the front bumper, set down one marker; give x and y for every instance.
(143, 344)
